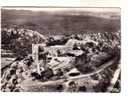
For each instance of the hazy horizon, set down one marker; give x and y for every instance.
(49, 9)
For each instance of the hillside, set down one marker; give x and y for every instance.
(61, 23)
(63, 51)
(19, 40)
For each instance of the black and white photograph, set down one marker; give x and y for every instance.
(61, 49)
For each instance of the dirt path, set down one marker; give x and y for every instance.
(26, 86)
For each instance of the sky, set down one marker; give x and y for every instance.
(39, 5)
(72, 3)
